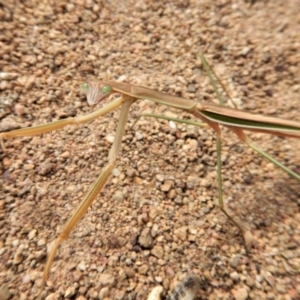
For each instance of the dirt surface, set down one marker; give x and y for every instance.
(156, 220)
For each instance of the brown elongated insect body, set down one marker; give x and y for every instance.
(214, 113)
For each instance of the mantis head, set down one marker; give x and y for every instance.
(95, 92)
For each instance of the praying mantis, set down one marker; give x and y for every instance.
(212, 115)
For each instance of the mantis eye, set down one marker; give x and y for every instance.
(85, 86)
(106, 89)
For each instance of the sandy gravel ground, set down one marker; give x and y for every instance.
(156, 220)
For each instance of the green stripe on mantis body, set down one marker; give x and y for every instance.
(237, 122)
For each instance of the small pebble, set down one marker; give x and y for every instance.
(18, 258)
(81, 266)
(107, 279)
(181, 232)
(240, 294)
(145, 238)
(32, 234)
(4, 292)
(118, 196)
(70, 292)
